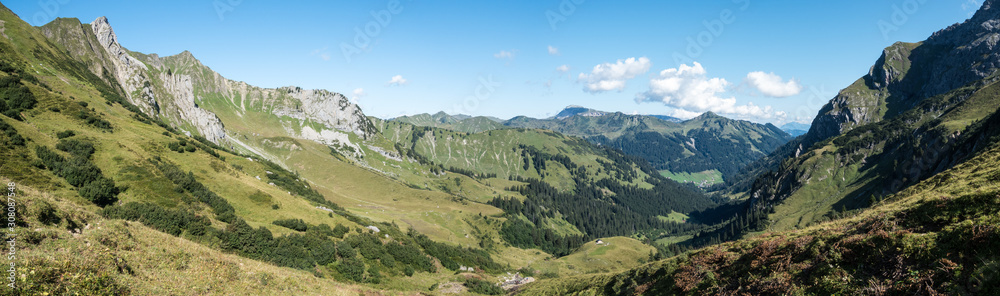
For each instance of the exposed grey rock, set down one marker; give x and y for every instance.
(181, 89)
(906, 74)
(332, 109)
(128, 70)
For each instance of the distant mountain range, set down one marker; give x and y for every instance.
(706, 143)
(795, 129)
(904, 161)
(290, 182)
(135, 154)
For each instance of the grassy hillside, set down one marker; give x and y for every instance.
(847, 171)
(938, 236)
(558, 184)
(272, 196)
(459, 123)
(63, 247)
(612, 254)
(152, 210)
(707, 142)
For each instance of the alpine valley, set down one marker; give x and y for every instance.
(141, 174)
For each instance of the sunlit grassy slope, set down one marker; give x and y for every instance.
(845, 172)
(939, 236)
(375, 183)
(84, 253)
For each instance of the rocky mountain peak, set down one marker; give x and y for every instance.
(968, 50)
(907, 73)
(708, 115)
(106, 35)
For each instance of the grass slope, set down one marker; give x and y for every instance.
(612, 254)
(84, 253)
(939, 236)
(707, 142)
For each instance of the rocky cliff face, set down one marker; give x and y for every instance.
(332, 110)
(181, 89)
(968, 51)
(171, 87)
(128, 70)
(906, 120)
(907, 73)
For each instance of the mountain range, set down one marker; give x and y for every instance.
(702, 145)
(130, 150)
(896, 174)
(132, 173)
(795, 129)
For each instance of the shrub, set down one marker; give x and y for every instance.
(77, 171)
(374, 276)
(47, 213)
(368, 245)
(387, 260)
(482, 287)
(227, 217)
(65, 134)
(77, 148)
(13, 114)
(80, 172)
(223, 210)
(352, 269)
(410, 256)
(17, 96)
(94, 120)
(344, 250)
(165, 220)
(340, 230)
(293, 224)
(175, 147)
(101, 192)
(199, 226)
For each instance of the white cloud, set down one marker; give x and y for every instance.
(608, 76)
(684, 114)
(397, 80)
(503, 54)
(358, 94)
(771, 85)
(562, 69)
(689, 88)
(553, 50)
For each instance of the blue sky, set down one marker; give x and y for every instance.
(765, 61)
